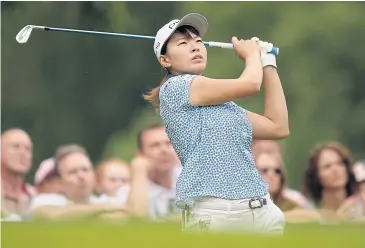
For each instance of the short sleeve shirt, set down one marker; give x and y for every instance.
(213, 144)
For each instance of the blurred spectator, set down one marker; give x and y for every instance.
(16, 161)
(46, 178)
(111, 175)
(77, 179)
(329, 179)
(354, 207)
(271, 168)
(154, 144)
(273, 147)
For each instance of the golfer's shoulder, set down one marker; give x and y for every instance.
(178, 83)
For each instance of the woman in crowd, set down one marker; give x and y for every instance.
(46, 179)
(329, 179)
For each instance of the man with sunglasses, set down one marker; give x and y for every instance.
(271, 168)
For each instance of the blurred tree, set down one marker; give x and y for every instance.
(64, 87)
(320, 67)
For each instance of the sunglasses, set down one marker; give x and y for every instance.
(266, 170)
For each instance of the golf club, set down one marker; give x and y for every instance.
(24, 35)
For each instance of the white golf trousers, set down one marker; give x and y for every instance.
(210, 214)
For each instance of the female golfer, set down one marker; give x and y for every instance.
(219, 187)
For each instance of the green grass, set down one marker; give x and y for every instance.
(155, 235)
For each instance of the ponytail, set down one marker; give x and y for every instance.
(153, 95)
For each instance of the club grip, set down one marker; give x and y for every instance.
(274, 50)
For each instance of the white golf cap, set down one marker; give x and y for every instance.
(197, 21)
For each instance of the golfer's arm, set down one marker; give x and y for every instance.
(72, 212)
(137, 203)
(208, 91)
(274, 124)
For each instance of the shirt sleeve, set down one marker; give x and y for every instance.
(175, 93)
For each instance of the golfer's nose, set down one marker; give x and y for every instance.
(194, 47)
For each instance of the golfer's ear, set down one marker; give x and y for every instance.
(164, 61)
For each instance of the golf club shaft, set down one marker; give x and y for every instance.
(24, 34)
(274, 51)
(99, 33)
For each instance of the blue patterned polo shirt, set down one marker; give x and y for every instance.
(213, 144)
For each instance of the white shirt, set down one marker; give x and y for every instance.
(162, 200)
(121, 196)
(57, 200)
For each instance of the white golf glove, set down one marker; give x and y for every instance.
(267, 59)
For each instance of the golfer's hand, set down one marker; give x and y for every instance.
(246, 48)
(267, 59)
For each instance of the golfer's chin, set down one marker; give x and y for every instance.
(197, 67)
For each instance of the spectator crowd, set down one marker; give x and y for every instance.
(68, 186)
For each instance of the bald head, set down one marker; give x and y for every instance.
(16, 151)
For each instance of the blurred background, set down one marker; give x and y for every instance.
(87, 89)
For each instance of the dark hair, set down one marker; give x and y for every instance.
(312, 185)
(149, 127)
(153, 95)
(66, 150)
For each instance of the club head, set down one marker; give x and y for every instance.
(24, 34)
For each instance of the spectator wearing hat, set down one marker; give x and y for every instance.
(46, 179)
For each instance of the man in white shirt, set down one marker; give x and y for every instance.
(273, 146)
(76, 173)
(154, 144)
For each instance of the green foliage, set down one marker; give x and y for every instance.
(73, 88)
(87, 89)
